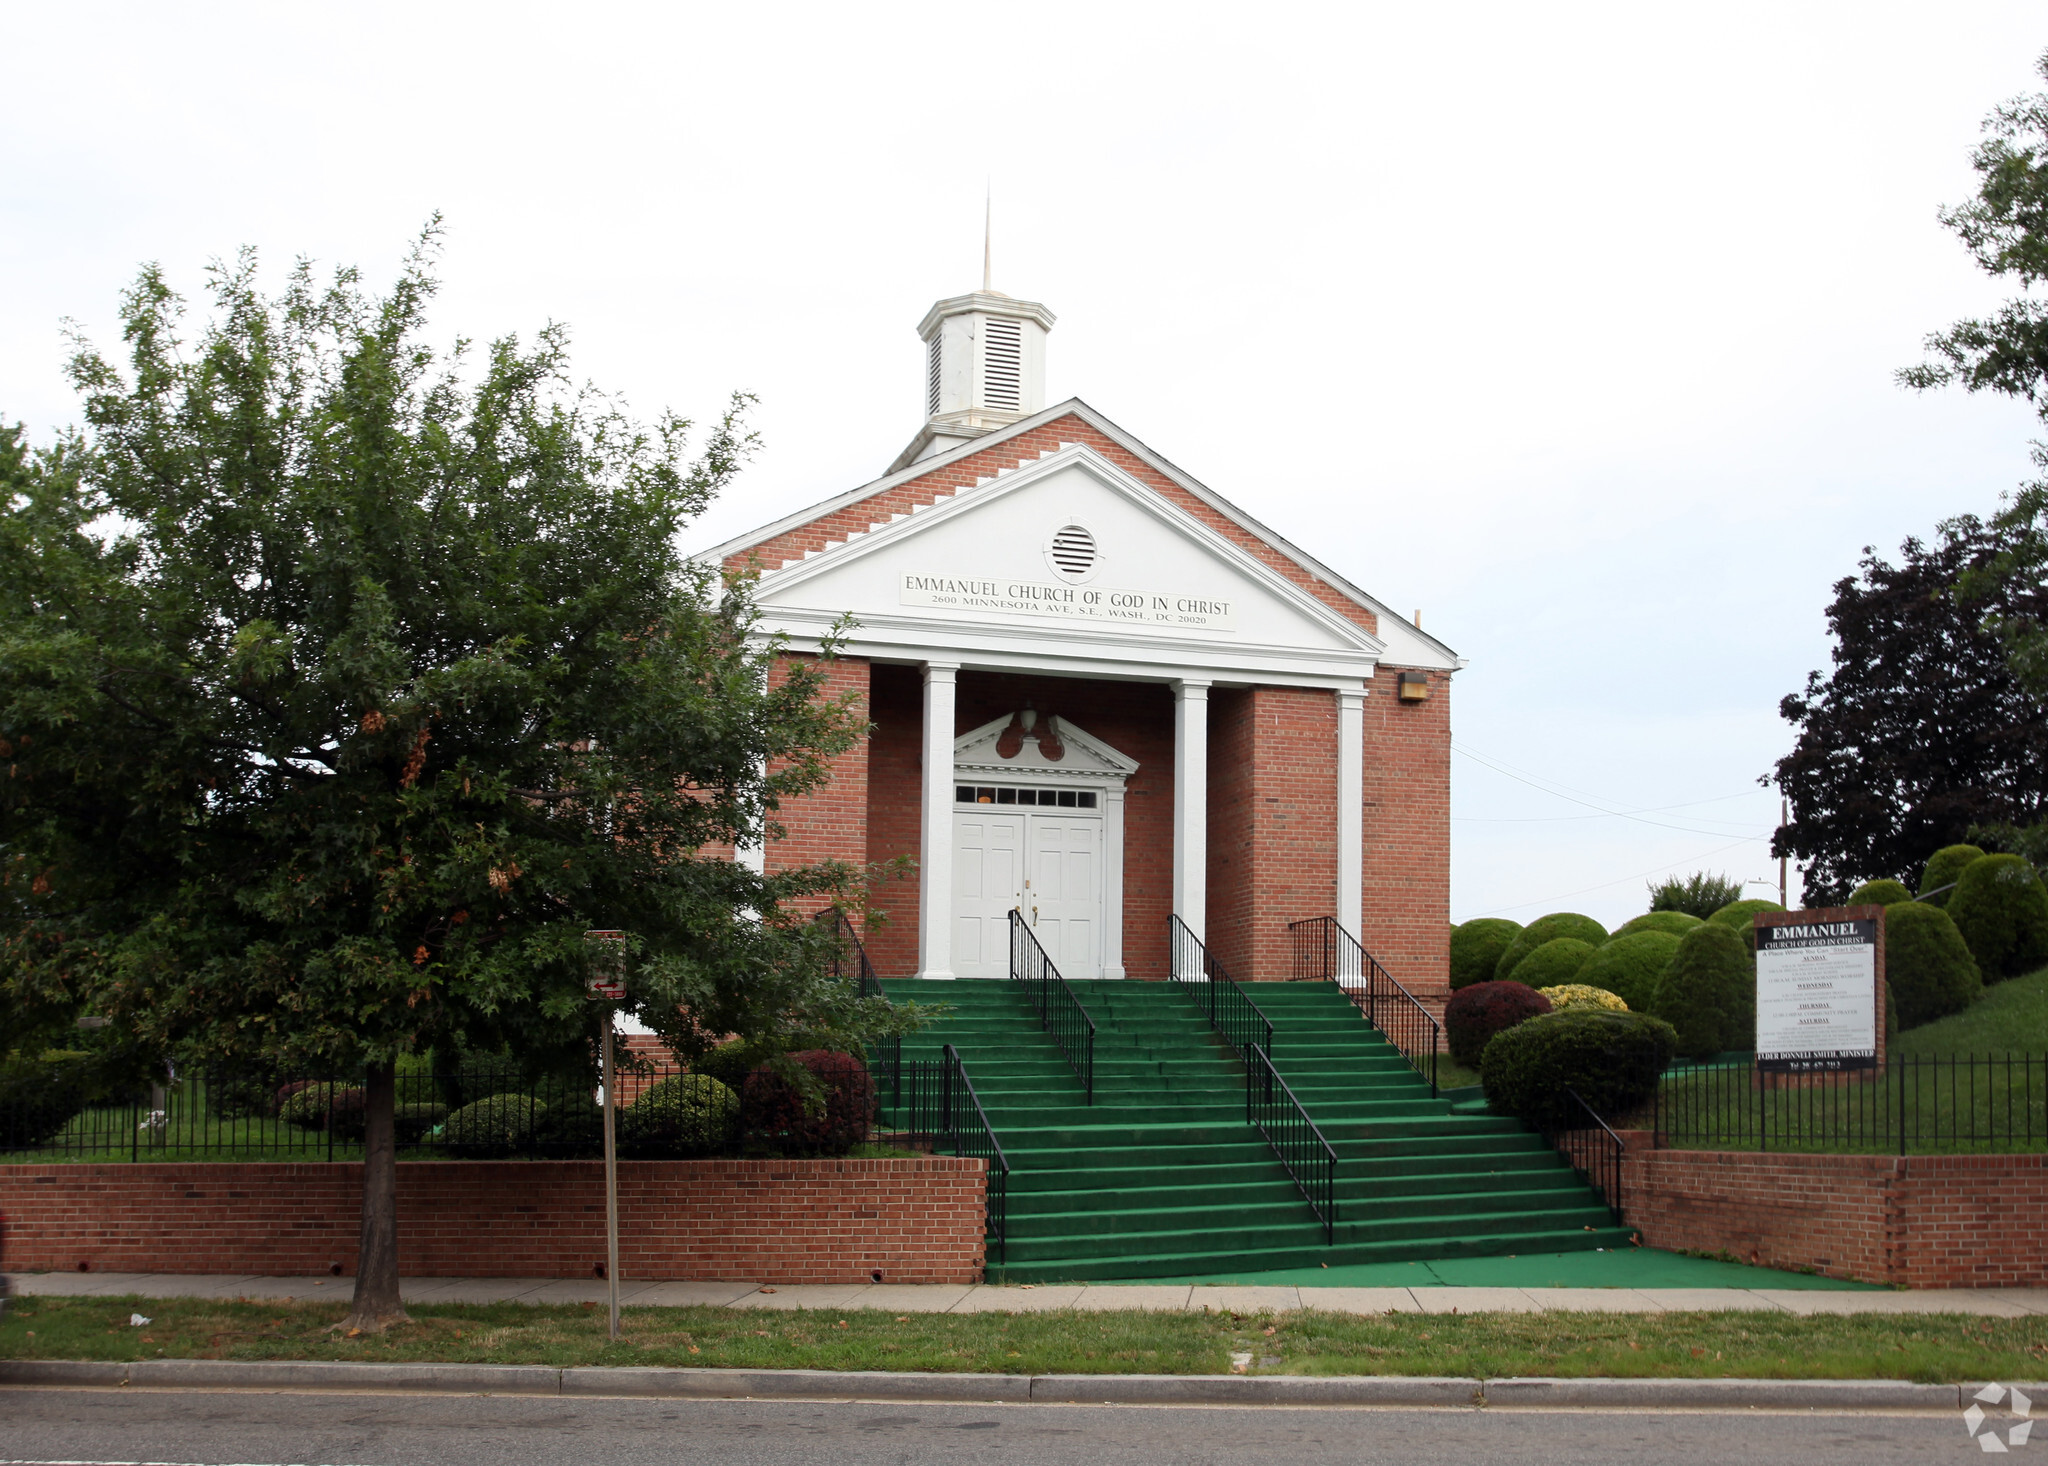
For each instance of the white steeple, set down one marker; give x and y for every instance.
(984, 366)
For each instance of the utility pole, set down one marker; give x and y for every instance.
(1784, 816)
(606, 951)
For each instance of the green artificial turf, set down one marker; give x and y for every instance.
(1930, 1348)
(2011, 1017)
(1634, 1267)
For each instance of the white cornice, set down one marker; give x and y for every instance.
(988, 303)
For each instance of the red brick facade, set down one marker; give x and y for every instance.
(782, 1221)
(1977, 1221)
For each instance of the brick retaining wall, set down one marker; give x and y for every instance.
(1971, 1221)
(779, 1221)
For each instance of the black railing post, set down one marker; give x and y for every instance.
(1060, 1011)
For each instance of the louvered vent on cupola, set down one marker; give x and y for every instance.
(1003, 364)
(931, 373)
(1073, 552)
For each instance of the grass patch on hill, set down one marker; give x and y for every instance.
(2011, 1017)
(1927, 1348)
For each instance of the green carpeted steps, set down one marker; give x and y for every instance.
(1163, 1177)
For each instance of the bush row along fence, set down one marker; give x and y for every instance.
(664, 1114)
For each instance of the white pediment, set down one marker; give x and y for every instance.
(980, 563)
(1081, 756)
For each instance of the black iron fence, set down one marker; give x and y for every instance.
(1593, 1149)
(1059, 1011)
(1309, 1158)
(933, 1101)
(1913, 1104)
(1230, 1010)
(1323, 949)
(849, 958)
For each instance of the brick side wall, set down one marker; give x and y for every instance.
(928, 488)
(830, 823)
(1232, 916)
(1921, 1221)
(815, 1221)
(1407, 905)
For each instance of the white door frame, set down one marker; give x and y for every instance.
(1085, 762)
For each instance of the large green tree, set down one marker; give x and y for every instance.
(346, 681)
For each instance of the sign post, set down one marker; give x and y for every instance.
(607, 954)
(1820, 990)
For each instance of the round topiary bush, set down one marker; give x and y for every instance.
(1708, 993)
(776, 1115)
(1738, 917)
(495, 1126)
(413, 1120)
(1879, 893)
(40, 1096)
(1547, 929)
(1611, 1060)
(1669, 923)
(1944, 868)
(317, 1105)
(1554, 963)
(1476, 948)
(1475, 1014)
(684, 1116)
(1568, 996)
(1628, 966)
(1927, 963)
(2001, 908)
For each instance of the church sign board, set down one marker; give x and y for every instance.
(1819, 990)
(1094, 604)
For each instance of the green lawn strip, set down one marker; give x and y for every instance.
(1929, 1348)
(2011, 1017)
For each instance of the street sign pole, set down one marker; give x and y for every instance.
(606, 951)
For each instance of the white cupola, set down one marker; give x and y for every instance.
(984, 369)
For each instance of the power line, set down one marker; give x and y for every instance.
(1654, 870)
(1588, 804)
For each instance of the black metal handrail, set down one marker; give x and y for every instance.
(1231, 1011)
(849, 955)
(1271, 1108)
(1912, 1103)
(934, 1100)
(1593, 1149)
(1059, 1011)
(1323, 949)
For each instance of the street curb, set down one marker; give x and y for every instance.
(1072, 1389)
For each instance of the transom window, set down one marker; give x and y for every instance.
(1043, 798)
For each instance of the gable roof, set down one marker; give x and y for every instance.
(788, 540)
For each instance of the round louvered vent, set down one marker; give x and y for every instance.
(1073, 552)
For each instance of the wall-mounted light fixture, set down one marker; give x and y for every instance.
(1414, 687)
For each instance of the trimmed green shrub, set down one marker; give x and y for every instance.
(1668, 923)
(1629, 966)
(1698, 894)
(1547, 929)
(1475, 1014)
(2001, 908)
(778, 1117)
(1944, 868)
(412, 1119)
(687, 1115)
(1476, 948)
(1554, 963)
(1612, 1060)
(572, 1128)
(312, 1106)
(1738, 916)
(39, 1096)
(731, 1063)
(241, 1095)
(1708, 993)
(1879, 893)
(493, 1127)
(1927, 964)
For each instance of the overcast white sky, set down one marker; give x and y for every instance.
(1572, 325)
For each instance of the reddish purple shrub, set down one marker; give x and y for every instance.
(775, 1115)
(1476, 1013)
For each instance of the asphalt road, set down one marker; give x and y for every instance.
(216, 1428)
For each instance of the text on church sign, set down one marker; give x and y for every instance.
(1094, 604)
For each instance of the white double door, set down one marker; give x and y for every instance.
(1046, 865)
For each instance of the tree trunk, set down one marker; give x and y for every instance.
(376, 1301)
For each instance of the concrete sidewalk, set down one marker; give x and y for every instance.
(974, 1298)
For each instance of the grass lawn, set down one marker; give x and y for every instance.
(1928, 1348)
(2012, 1016)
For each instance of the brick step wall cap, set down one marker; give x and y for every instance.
(1832, 1396)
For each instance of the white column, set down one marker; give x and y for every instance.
(1349, 909)
(935, 826)
(1113, 882)
(1191, 803)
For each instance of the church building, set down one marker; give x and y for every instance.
(1102, 695)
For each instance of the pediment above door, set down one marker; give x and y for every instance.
(1006, 747)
